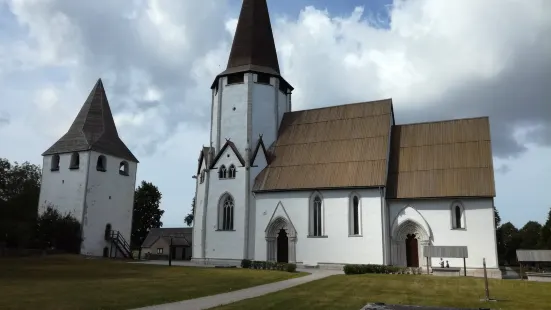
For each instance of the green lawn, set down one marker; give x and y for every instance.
(72, 282)
(354, 291)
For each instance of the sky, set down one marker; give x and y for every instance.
(157, 59)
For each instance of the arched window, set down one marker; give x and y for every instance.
(225, 213)
(457, 216)
(55, 163)
(232, 172)
(316, 217)
(75, 161)
(123, 168)
(101, 164)
(355, 216)
(222, 172)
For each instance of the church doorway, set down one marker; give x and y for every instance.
(282, 247)
(412, 251)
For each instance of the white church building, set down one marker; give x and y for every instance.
(337, 185)
(90, 173)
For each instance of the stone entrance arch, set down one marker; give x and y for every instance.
(280, 227)
(408, 239)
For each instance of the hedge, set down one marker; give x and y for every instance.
(262, 265)
(372, 268)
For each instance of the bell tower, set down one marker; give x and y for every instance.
(249, 99)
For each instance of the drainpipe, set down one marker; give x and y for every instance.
(383, 224)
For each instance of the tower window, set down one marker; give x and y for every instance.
(75, 161)
(231, 171)
(55, 163)
(202, 177)
(222, 172)
(101, 164)
(262, 78)
(123, 168)
(236, 78)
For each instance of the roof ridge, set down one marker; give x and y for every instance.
(346, 104)
(444, 121)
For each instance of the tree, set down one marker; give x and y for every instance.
(19, 194)
(508, 242)
(147, 213)
(497, 218)
(61, 231)
(530, 235)
(545, 236)
(189, 218)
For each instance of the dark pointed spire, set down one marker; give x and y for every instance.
(93, 129)
(253, 44)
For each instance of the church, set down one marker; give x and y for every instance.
(337, 185)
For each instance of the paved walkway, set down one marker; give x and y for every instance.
(231, 297)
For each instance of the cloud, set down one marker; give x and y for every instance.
(436, 59)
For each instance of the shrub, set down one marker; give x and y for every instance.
(246, 263)
(371, 268)
(291, 267)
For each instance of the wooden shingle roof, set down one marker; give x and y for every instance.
(93, 129)
(441, 159)
(334, 147)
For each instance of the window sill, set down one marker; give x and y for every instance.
(237, 83)
(54, 169)
(101, 170)
(73, 168)
(310, 236)
(352, 236)
(460, 229)
(123, 174)
(225, 230)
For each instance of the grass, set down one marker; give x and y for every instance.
(72, 282)
(355, 291)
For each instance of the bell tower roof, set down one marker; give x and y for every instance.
(93, 129)
(253, 47)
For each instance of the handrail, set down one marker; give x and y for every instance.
(119, 239)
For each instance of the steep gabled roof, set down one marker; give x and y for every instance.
(235, 151)
(253, 44)
(93, 129)
(451, 158)
(206, 154)
(333, 147)
(260, 146)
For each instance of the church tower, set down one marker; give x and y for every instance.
(90, 173)
(249, 99)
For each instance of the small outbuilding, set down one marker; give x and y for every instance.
(159, 240)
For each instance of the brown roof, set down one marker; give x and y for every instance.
(341, 146)
(441, 159)
(253, 43)
(93, 129)
(156, 233)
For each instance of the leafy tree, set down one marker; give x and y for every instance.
(147, 213)
(19, 194)
(189, 218)
(497, 218)
(530, 235)
(60, 231)
(545, 236)
(508, 241)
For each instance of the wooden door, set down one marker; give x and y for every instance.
(412, 251)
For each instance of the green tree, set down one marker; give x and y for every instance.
(508, 241)
(147, 213)
(545, 236)
(530, 235)
(189, 218)
(497, 218)
(60, 231)
(19, 194)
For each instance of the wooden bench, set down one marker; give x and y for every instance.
(446, 272)
(538, 276)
